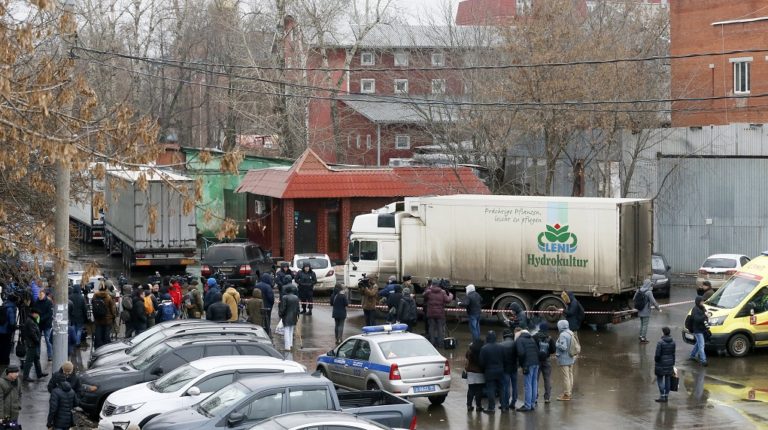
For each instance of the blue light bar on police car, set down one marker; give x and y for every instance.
(384, 328)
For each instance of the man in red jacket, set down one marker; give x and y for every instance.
(175, 292)
(435, 299)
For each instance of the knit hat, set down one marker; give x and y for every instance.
(12, 368)
(406, 291)
(211, 282)
(544, 326)
(68, 367)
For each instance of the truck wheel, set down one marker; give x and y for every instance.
(437, 400)
(739, 345)
(552, 306)
(504, 301)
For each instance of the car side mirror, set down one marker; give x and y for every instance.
(331, 353)
(193, 391)
(157, 371)
(235, 418)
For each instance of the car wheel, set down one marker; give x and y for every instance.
(437, 400)
(372, 386)
(323, 371)
(739, 345)
(146, 420)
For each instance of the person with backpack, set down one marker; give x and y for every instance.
(339, 302)
(573, 312)
(11, 404)
(645, 302)
(566, 350)
(167, 310)
(664, 367)
(407, 311)
(697, 324)
(31, 336)
(193, 302)
(44, 307)
(103, 308)
(546, 348)
(8, 314)
(473, 302)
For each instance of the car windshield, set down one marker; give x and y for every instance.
(732, 292)
(407, 348)
(222, 399)
(657, 264)
(176, 379)
(145, 334)
(221, 253)
(314, 263)
(145, 360)
(147, 343)
(720, 263)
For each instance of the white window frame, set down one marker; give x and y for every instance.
(367, 58)
(357, 141)
(438, 59)
(405, 137)
(368, 81)
(740, 87)
(442, 84)
(367, 141)
(403, 58)
(401, 81)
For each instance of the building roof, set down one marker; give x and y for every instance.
(404, 36)
(310, 177)
(401, 110)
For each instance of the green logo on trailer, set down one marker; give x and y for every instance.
(557, 238)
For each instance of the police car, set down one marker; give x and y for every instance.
(389, 358)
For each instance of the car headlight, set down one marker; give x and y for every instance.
(717, 320)
(90, 388)
(127, 408)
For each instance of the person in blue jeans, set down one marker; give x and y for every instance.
(492, 363)
(44, 306)
(700, 320)
(509, 382)
(78, 312)
(528, 357)
(473, 302)
(664, 367)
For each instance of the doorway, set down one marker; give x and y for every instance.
(305, 237)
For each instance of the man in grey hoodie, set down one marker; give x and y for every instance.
(645, 296)
(564, 358)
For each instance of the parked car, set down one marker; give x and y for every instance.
(246, 402)
(186, 386)
(241, 263)
(718, 268)
(391, 359)
(661, 275)
(162, 358)
(321, 265)
(232, 331)
(127, 343)
(313, 420)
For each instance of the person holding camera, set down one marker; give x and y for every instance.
(369, 292)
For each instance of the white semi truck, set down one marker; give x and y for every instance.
(512, 248)
(85, 212)
(127, 223)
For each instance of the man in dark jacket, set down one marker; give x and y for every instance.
(283, 278)
(700, 319)
(664, 364)
(289, 313)
(436, 298)
(509, 383)
(519, 318)
(7, 330)
(79, 314)
(213, 290)
(218, 310)
(138, 312)
(528, 357)
(492, 363)
(66, 373)
(268, 298)
(31, 335)
(103, 322)
(63, 400)
(9, 390)
(546, 346)
(44, 307)
(407, 312)
(306, 280)
(574, 312)
(393, 303)
(339, 303)
(473, 302)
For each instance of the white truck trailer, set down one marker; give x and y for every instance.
(85, 213)
(512, 248)
(127, 231)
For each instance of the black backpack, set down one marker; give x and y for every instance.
(99, 307)
(543, 348)
(689, 322)
(640, 300)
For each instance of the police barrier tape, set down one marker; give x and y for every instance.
(493, 311)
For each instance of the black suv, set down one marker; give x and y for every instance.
(99, 383)
(241, 263)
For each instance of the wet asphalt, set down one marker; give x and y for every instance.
(614, 382)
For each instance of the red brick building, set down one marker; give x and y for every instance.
(703, 26)
(310, 207)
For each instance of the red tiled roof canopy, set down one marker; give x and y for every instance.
(310, 177)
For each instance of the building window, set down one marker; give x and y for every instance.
(401, 59)
(401, 86)
(349, 141)
(367, 59)
(741, 77)
(438, 86)
(368, 86)
(368, 141)
(438, 59)
(402, 141)
(357, 142)
(523, 7)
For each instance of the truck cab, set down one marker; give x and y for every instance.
(374, 246)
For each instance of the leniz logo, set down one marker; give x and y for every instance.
(558, 239)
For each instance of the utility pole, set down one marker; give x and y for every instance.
(61, 291)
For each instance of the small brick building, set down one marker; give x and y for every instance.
(310, 206)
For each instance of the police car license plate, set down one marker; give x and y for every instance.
(424, 389)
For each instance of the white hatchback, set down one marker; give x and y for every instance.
(186, 386)
(321, 265)
(718, 268)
